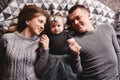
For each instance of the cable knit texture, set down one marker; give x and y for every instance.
(20, 57)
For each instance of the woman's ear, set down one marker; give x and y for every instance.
(27, 22)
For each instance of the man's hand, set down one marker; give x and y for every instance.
(74, 46)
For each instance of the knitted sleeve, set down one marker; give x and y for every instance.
(2, 53)
(41, 61)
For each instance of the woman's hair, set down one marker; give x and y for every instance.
(27, 13)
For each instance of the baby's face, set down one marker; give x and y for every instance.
(56, 27)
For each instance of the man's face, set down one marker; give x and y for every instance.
(79, 19)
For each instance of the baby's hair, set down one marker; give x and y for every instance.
(53, 17)
(58, 14)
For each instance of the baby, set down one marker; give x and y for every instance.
(64, 58)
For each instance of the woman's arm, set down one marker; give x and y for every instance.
(42, 54)
(2, 53)
(41, 61)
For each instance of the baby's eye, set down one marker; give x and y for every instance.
(52, 26)
(59, 25)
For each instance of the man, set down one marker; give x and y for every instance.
(100, 52)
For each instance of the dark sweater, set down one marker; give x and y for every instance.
(58, 43)
(100, 54)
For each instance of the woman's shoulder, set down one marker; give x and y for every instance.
(9, 35)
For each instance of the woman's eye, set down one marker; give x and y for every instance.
(40, 21)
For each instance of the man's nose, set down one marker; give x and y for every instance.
(76, 22)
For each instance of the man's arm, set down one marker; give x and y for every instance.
(116, 47)
(75, 61)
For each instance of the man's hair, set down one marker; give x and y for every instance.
(76, 7)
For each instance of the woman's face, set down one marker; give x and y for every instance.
(36, 25)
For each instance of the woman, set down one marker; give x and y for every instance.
(18, 50)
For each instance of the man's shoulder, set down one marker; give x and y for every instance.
(104, 26)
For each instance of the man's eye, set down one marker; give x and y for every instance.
(78, 17)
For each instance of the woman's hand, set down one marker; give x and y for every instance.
(44, 41)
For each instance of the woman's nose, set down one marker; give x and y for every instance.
(41, 26)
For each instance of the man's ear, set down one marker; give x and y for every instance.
(89, 15)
